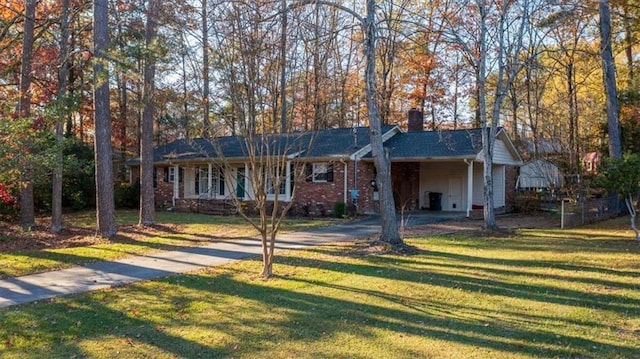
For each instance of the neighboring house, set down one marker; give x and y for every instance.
(590, 163)
(440, 170)
(538, 174)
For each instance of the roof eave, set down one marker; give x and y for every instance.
(366, 149)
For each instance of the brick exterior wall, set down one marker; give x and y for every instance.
(164, 190)
(320, 198)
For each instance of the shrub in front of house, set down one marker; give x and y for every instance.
(340, 209)
(126, 195)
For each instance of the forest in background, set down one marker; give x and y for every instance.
(280, 66)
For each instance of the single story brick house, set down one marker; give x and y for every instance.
(431, 170)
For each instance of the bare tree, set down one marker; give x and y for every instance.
(269, 174)
(568, 32)
(496, 44)
(390, 233)
(105, 206)
(381, 160)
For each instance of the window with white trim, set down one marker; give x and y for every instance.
(201, 179)
(320, 171)
(171, 177)
(271, 180)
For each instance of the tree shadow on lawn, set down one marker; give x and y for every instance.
(547, 241)
(442, 276)
(168, 232)
(268, 315)
(62, 325)
(314, 317)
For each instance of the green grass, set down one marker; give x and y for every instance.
(176, 230)
(535, 294)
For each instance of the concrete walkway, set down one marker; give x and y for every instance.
(99, 275)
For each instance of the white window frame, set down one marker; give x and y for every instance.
(282, 189)
(214, 190)
(172, 175)
(319, 169)
(202, 174)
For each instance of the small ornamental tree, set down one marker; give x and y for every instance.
(622, 176)
(261, 188)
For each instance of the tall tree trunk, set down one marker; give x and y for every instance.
(477, 111)
(514, 109)
(27, 211)
(105, 207)
(206, 123)
(185, 94)
(573, 117)
(71, 81)
(147, 199)
(283, 70)
(488, 129)
(629, 41)
(56, 193)
(319, 122)
(609, 77)
(122, 106)
(381, 159)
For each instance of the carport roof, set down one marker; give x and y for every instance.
(435, 144)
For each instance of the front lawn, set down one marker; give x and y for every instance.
(36, 251)
(529, 294)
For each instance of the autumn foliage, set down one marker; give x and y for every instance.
(8, 202)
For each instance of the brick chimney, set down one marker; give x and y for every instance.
(416, 120)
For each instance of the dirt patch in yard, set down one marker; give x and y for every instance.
(507, 223)
(14, 239)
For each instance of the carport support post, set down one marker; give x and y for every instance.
(469, 186)
(209, 180)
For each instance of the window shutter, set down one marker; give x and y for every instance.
(181, 174)
(166, 174)
(308, 172)
(329, 172)
(155, 178)
(221, 182)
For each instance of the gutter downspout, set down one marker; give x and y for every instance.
(346, 185)
(469, 186)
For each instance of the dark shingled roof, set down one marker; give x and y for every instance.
(328, 143)
(435, 144)
(341, 141)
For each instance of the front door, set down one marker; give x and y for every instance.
(240, 180)
(455, 195)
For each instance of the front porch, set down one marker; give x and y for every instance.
(206, 187)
